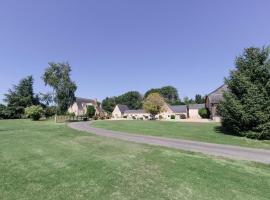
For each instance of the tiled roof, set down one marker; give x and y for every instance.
(179, 108)
(196, 106)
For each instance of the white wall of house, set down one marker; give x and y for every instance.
(117, 113)
(194, 114)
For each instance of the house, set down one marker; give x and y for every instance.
(79, 107)
(178, 111)
(213, 99)
(193, 110)
(118, 111)
(122, 111)
(136, 114)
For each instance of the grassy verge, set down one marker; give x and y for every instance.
(205, 132)
(43, 160)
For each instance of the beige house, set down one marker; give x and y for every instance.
(178, 111)
(193, 110)
(122, 111)
(213, 99)
(79, 107)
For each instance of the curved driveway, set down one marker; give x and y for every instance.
(228, 151)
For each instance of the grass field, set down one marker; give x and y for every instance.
(44, 160)
(206, 132)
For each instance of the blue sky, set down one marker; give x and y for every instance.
(116, 46)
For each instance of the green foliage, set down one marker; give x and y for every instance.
(199, 99)
(246, 107)
(153, 104)
(132, 99)
(172, 116)
(204, 113)
(188, 101)
(34, 112)
(169, 93)
(91, 111)
(108, 104)
(50, 111)
(20, 97)
(57, 75)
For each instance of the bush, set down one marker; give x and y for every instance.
(91, 111)
(50, 111)
(34, 112)
(160, 117)
(183, 116)
(204, 113)
(172, 116)
(125, 116)
(95, 117)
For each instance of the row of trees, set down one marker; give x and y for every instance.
(22, 101)
(134, 100)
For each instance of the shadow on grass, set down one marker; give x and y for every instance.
(221, 130)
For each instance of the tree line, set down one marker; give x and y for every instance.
(21, 101)
(134, 99)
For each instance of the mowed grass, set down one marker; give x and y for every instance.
(205, 132)
(44, 160)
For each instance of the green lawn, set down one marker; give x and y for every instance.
(44, 160)
(206, 132)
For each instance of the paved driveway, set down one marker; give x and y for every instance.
(228, 151)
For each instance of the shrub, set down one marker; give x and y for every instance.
(95, 117)
(91, 111)
(160, 117)
(172, 116)
(204, 113)
(34, 112)
(50, 111)
(183, 116)
(125, 117)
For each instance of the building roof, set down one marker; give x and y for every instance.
(134, 111)
(122, 108)
(84, 100)
(217, 95)
(196, 106)
(178, 108)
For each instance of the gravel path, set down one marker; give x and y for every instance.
(228, 151)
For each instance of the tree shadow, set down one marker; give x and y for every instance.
(222, 130)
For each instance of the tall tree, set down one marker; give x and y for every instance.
(199, 99)
(169, 93)
(108, 104)
(132, 99)
(57, 75)
(20, 97)
(246, 107)
(153, 104)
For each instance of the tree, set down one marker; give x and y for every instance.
(132, 99)
(57, 75)
(46, 98)
(153, 104)
(169, 93)
(246, 107)
(20, 97)
(188, 101)
(91, 111)
(199, 99)
(34, 112)
(108, 104)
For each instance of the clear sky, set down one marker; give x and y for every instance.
(116, 46)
